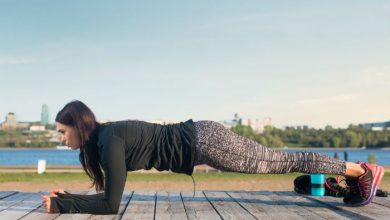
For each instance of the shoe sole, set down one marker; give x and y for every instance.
(377, 180)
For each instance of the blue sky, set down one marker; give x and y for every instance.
(301, 63)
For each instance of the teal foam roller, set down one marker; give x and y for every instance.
(317, 184)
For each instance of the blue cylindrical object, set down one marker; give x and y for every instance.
(317, 184)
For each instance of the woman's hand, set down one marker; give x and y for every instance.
(46, 199)
(46, 202)
(54, 192)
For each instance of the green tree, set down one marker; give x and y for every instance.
(335, 141)
(351, 139)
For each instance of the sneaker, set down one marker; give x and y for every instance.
(302, 185)
(363, 188)
(333, 188)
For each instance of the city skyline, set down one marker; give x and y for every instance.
(300, 63)
(227, 122)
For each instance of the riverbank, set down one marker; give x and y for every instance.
(33, 169)
(78, 169)
(150, 181)
(159, 181)
(279, 148)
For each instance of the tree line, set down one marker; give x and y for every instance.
(351, 137)
(26, 139)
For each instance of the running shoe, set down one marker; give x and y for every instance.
(333, 188)
(363, 188)
(302, 184)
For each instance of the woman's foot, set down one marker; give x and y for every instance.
(363, 187)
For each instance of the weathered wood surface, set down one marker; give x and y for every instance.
(204, 205)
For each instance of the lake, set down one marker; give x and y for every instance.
(69, 157)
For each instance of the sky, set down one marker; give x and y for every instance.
(313, 63)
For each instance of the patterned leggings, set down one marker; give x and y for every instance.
(227, 151)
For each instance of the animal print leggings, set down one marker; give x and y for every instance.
(227, 151)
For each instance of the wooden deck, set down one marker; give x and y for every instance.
(205, 205)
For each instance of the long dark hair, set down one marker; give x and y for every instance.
(76, 114)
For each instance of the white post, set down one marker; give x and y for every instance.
(41, 166)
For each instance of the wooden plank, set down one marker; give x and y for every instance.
(371, 211)
(41, 213)
(205, 205)
(21, 208)
(169, 205)
(12, 200)
(141, 205)
(384, 201)
(259, 204)
(293, 207)
(125, 200)
(198, 207)
(313, 206)
(4, 194)
(226, 207)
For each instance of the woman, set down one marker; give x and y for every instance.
(118, 147)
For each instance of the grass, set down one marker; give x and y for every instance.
(48, 177)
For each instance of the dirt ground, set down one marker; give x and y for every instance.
(248, 185)
(154, 185)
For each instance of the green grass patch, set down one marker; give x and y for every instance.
(214, 176)
(46, 177)
(293, 145)
(386, 176)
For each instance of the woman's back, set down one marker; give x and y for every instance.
(148, 145)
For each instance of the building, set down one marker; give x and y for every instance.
(37, 128)
(376, 125)
(45, 115)
(163, 122)
(257, 125)
(11, 123)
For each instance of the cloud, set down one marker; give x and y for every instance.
(15, 61)
(374, 76)
(330, 99)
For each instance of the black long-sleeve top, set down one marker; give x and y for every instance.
(127, 146)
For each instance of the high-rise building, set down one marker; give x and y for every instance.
(10, 121)
(45, 115)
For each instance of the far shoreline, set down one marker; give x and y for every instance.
(31, 148)
(329, 148)
(276, 148)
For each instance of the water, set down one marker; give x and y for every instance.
(70, 157)
(31, 157)
(382, 156)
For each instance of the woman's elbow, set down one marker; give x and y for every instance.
(107, 208)
(112, 208)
